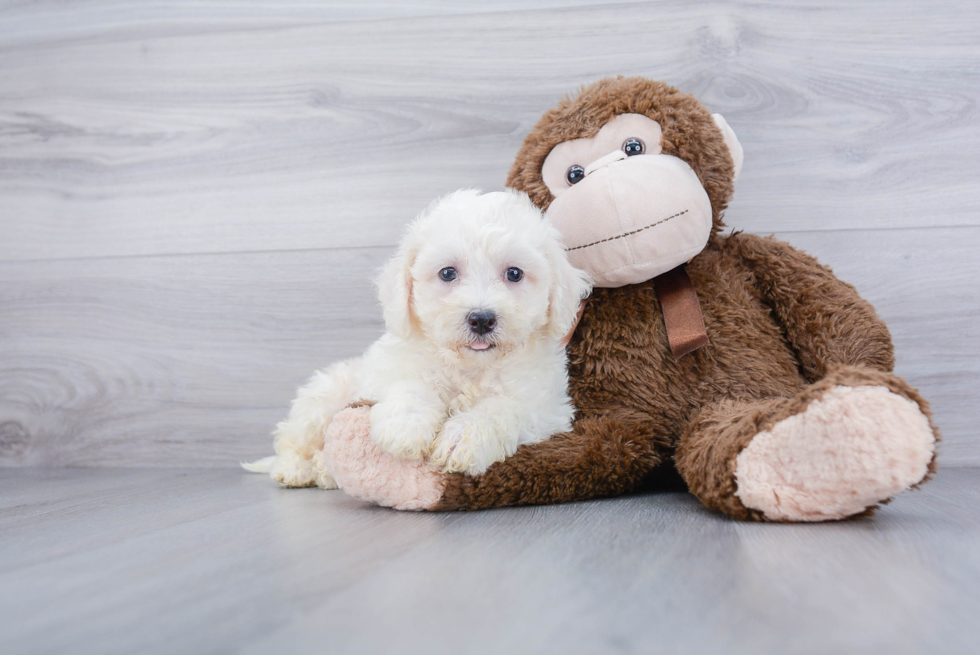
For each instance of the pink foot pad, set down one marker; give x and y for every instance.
(851, 449)
(364, 471)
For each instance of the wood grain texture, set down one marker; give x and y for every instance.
(191, 561)
(193, 197)
(201, 135)
(171, 360)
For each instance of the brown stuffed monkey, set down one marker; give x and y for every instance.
(770, 390)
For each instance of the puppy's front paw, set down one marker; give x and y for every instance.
(403, 431)
(469, 445)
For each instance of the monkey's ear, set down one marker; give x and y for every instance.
(734, 147)
(394, 284)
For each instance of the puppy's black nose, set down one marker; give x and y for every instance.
(482, 321)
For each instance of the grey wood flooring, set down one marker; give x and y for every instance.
(193, 196)
(215, 561)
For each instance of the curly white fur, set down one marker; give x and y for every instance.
(443, 391)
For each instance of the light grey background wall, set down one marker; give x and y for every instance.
(193, 198)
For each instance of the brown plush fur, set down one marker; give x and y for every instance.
(783, 331)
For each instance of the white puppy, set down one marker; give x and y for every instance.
(476, 303)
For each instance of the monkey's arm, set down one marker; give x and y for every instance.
(825, 320)
(602, 456)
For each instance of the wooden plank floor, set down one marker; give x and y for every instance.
(197, 561)
(193, 197)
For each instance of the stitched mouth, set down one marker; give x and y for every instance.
(630, 233)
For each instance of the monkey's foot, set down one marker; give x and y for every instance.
(850, 449)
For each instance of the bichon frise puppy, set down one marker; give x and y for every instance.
(476, 303)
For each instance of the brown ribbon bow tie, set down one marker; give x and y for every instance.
(682, 312)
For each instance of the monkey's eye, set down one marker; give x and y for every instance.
(632, 147)
(575, 174)
(515, 275)
(448, 274)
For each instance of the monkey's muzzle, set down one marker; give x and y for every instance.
(632, 219)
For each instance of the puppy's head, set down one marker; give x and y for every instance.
(480, 275)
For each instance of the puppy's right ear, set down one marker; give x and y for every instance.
(569, 287)
(395, 290)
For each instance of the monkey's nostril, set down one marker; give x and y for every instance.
(482, 321)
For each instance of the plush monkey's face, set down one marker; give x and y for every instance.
(631, 193)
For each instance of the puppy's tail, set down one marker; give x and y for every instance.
(263, 465)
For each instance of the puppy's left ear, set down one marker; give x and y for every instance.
(395, 290)
(569, 286)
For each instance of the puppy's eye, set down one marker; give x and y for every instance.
(448, 274)
(514, 275)
(575, 174)
(633, 146)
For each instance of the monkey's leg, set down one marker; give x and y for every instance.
(838, 448)
(602, 456)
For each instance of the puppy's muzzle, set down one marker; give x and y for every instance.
(482, 321)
